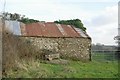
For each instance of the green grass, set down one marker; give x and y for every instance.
(75, 69)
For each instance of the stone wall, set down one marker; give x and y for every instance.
(75, 48)
(68, 48)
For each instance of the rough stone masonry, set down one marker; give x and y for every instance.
(68, 48)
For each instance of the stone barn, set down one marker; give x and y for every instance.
(51, 38)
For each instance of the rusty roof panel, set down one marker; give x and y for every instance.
(60, 28)
(70, 31)
(33, 30)
(53, 30)
(43, 29)
(80, 32)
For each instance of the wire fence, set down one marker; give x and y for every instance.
(104, 55)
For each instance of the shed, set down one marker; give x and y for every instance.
(50, 37)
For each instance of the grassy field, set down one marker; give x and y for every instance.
(75, 69)
(17, 65)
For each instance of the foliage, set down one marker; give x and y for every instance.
(27, 20)
(10, 16)
(75, 22)
(15, 49)
(18, 17)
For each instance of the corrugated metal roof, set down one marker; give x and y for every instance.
(61, 30)
(43, 29)
(51, 29)
(70, 31)
(13, 26)
(80, 32)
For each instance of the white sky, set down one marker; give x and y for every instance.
(100, 17)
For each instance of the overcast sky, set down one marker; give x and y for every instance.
(98, 16)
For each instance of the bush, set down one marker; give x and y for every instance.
(75, 22)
